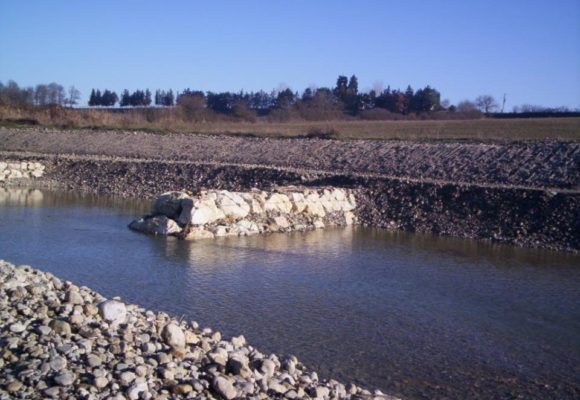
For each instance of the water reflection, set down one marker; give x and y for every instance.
(21, 197)
(32, 197)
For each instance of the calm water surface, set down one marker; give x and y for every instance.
(413, 315)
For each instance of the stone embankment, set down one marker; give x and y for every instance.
(216, 213)
(16, 170)
(520, 215)
(62, 341)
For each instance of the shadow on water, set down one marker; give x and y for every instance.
(414, 315)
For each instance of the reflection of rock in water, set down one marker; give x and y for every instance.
(30, 197)
(21, 197)
(274, 247)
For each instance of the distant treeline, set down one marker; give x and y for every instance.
(537, 114)
(40, 95)
(323, 103)
(313, 103)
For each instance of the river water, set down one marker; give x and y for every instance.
(414, 315)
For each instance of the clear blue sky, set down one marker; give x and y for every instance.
(529, 49)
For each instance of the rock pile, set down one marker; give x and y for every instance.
(217, 213)
(20, 170)
(62, 341)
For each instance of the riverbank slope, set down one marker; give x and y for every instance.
(523, 193)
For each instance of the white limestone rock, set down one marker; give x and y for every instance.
(278, 202)
(232, 205)
(113, 311)
(200, 212)
(314, 207)
(282, 222)
(298, 202)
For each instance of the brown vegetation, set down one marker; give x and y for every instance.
(194, 120)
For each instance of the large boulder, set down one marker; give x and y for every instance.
(246, 227)
(329, 203)
(169, 204)
(232, 205)
(158, 225)
(200, 212)
(314, 206)
(255, 201)
(278, 202)
(298, 202)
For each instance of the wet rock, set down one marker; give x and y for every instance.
(158, 225)
(196, 233)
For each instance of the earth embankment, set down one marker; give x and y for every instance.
(542, 164)
(523, 193)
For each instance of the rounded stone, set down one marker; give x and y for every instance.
(65, 379)
(101, 382)
(14, 386)
(17, 327)
(127, 378)
(224, 388)
(113, 311)
(183, 388)
(173, 335)
(60, 327)
(58, 363)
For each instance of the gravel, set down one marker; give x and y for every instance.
(98, 358)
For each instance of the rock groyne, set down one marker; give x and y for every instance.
(11, 170)
(62, 341)
(520, 215)
(217, 213)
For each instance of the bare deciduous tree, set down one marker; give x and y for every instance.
(466, 106)
(73, 96)
(486, 103)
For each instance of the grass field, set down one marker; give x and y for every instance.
(167, 121)
(480, 129)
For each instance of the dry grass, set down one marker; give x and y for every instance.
(171, 120)
(481, 129)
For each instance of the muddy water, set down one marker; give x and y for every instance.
(416, 316)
